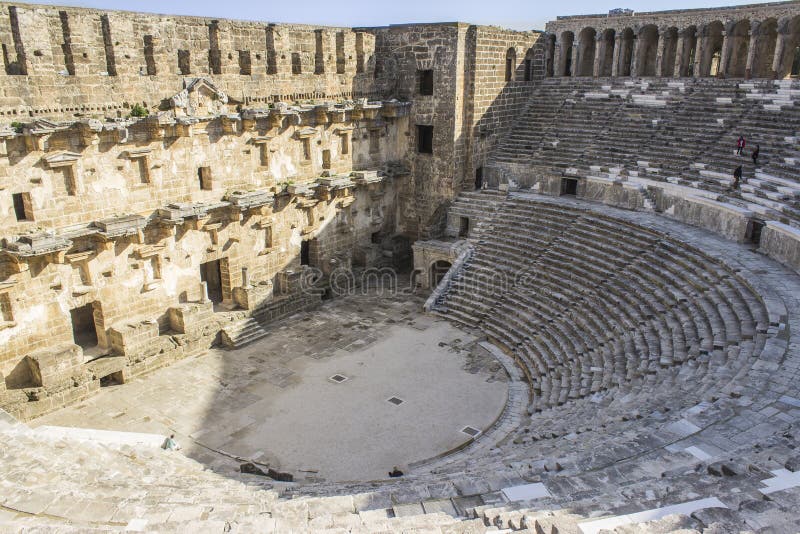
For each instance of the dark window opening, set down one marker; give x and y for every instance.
(340, 59)
(144, 170)
(319, 53)
(374, 141)
(149, 55)
(108, 44)
(326, 159)
(756, 227)
(22, 206)
(245, 63)
(528, 69)
(66, 48)
(214, 53)
(204, 175)
(424, 139)
(211, 274)
(305, 256)
(376, 238)
(511, 64)
(84, 331)
(359, 52)
(463, 228)
(569, 186)
(426, 82)
(184, 62)
(297, 66)
(796, 62)
(568, 62)
(70, 184)
(479, 178)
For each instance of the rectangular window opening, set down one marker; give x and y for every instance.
(184, 62)
(426, 82)
(22, 206)
(374, 141)
(297, 65)
(245, 63)
(424, 139)
(204, 175)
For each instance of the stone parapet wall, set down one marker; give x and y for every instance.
(98, 63)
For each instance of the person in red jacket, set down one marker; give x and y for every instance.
(740, 145)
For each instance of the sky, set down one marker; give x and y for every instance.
(516, 14)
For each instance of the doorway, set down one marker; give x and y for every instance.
(438, 270)
(210, 274)
(569, 186)
(478, 178)
(305, 256)
(463, 229)
(84, 331)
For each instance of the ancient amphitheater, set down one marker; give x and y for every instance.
(514, 265)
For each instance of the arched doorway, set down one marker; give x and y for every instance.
(551, 50)
(587, 43)
(765, 49)
(607, 53)
(648, 51)
(739, 43)
(670, 51)
(712, 49)
(511, 64)
(565, 61)
(625, 53)
(688, 52)
(437, 271)
(790, 61)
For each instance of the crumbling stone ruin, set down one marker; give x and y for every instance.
(168, 184)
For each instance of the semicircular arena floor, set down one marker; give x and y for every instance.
(343, 393)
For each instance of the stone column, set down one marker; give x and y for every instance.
(558, 68)
(615, 57)
(724, 54)
(676, 68)
(635, 56)
(698, 54)
(751, 50)
(660, 51)
(204, 289)
(599, 52)
(777, 59)
(574, 59)
(245, 278)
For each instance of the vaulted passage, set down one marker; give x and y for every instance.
(84, 331)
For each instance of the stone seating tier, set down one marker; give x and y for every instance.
(689, 140)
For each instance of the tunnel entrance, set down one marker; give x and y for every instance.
(84, 331)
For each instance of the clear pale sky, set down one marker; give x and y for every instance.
(517, 14)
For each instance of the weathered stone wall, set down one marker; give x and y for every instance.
(495, 100)
(781, 242)
(471, 105)
(68, 62)
(405, 51)
(265, 146)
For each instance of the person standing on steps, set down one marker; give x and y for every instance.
(740, 144)
(755, 155)
(737, 175)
